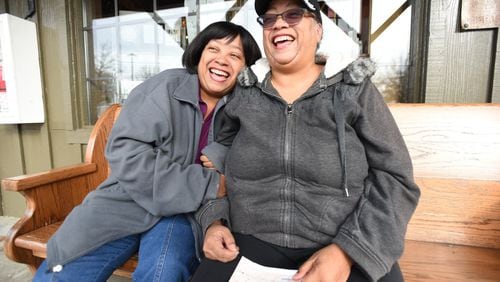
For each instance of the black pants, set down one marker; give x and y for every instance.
(274, 256)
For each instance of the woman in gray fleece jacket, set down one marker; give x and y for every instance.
(317, 173)
(156, 180)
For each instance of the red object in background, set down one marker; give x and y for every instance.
(2, 82)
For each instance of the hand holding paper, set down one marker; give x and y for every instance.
(330, 263)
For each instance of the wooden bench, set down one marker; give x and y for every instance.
(453, 236)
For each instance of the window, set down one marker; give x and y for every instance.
(390, 45)
(383, 30)
(128, 41)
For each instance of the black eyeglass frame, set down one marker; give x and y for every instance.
(284, 16)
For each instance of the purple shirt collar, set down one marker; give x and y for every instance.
(205, 128)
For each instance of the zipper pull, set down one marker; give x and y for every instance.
(289, 109)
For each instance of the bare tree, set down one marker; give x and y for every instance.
(104, 78)
(147, 72)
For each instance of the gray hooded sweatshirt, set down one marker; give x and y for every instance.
(331, 167)
(151, 151)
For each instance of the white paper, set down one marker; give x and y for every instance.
(249, 271)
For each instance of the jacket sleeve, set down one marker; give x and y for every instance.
(216, 151)
(213, 210)
(373, 235)
(139, 159)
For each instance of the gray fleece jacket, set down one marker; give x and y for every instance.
(151, 152)
(331, 167)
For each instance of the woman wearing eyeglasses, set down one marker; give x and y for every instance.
(318, 176)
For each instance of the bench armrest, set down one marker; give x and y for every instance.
(50, 196)
(33, 181)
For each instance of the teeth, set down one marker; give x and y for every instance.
(282, 38)
(219, 72)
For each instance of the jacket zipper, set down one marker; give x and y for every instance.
(288, 174)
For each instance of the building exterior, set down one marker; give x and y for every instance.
(92, 53)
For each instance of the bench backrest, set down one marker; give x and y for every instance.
(455, 149)
(97, 143)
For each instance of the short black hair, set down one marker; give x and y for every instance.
(219, 30)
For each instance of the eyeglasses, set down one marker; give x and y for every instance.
(291, 17)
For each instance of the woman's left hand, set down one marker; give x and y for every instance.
(330, 263)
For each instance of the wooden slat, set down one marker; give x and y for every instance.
(452, 140)
(128, 267)
(36, 241)
(428, 262)
(458, 63)
(457, 211)
(495, 91)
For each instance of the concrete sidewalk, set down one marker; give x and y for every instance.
(16, 272)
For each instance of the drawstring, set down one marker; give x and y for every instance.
(338, 110)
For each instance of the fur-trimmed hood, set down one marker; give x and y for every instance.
(353, 72)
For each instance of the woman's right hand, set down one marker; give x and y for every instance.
(219, 243)
(206, 162)
(221, 192)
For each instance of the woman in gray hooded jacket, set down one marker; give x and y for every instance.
(317, 173)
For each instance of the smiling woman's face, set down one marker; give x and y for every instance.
(220, 63)
(290, 46)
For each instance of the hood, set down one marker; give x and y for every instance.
(354, 71)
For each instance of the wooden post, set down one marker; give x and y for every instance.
(365, 26)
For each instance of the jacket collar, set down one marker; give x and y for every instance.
(189, 91)
(335, 70)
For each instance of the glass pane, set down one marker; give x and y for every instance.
(347, 10)
(391, 49)
(128, 47)
(102, 70)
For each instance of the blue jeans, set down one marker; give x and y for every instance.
(166, 253)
